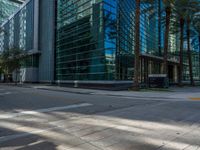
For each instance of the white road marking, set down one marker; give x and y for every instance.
(6, 93)
(7, 116)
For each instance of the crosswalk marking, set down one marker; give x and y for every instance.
(6, 93)
(34, 112)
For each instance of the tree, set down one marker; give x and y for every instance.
(176, 16)
(191, 13)
(168, 11)
(178, 27)
(189, 52)
(183, 11)
(137, 43)
(10, 60)
(137, 46)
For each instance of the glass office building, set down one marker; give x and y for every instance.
(7, 8)
(95, 39)
(84, 50)
(89, 41)
(18, 30)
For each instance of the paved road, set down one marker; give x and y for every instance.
(36, 119)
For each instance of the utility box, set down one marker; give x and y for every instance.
(158, 81)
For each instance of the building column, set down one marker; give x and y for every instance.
(150, 67)
(175, 73)
(36, 26)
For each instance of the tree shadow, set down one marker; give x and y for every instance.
(12, 139)
(115, 124)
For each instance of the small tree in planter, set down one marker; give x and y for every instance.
(10, 61)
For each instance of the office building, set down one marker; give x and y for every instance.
(8, 7)
(87, 41)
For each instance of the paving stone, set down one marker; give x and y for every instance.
(85, 146)
(191, 147)
(100, 135)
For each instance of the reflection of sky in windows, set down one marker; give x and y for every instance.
(110, 25)
(94, 35)
(7, 8)
(149, 28)
(195, 45)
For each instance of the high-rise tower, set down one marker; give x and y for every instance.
(8, 7)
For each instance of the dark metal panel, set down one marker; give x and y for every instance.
(46, 40)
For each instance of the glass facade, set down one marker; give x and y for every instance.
(195, 47)
(195, 54)
(95, 38)
(22, 28)
(18, 31)
(81, 53)
(7, 8)
(31, 61)
(2, 40)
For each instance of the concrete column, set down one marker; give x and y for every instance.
(175, 73)
(36, 25)
(150, 67)
(162, 67)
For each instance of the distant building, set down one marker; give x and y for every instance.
(8, 7)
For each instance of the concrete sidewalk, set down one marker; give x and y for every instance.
(173, 93)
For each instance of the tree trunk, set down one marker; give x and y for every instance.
(165, 57)
(189, 53)
(137, 46)
(182, 21)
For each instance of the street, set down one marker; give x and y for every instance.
(41, 119)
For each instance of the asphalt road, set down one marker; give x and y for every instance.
(36, 119)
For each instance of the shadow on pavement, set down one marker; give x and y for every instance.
(115, 125)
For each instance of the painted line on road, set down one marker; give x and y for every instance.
(7, 93)
(195, 98)
(34, 112)
(149, 98)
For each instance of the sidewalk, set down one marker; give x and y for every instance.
(171, 93)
